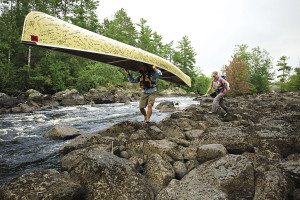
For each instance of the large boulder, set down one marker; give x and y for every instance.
(158, 172)
(104, 95)
(230, 177)
(180, 169)
(7, 101)
(210, 151)
(271, 184)
(233, 138)
(79, 142)
(34, 95)
(63, 132)
(193, 190)
(47, 185)
(69, 97)
(277, 135)
(291, 165)
(171, 129)
(194, 134)
(166, 106)
(168, 150)
(106, 176)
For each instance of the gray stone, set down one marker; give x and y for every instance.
(189, 153)
(63, 132)
(193, 190)
(69, 97)
(34, 95)
(233, 138)
(124, 154)
(47, 185)
(165, 148)
(194, 134)
(191, 164)
(158, 172)
(230, 177)
(291, 165)
(271, 185)
(167, 104)
(106, 176)
(180, 169)
(210, 151)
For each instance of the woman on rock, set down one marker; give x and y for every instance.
(147, 80)
(220, 87)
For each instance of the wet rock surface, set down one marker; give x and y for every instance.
(253, 153)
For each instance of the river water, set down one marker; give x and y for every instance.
(23, 148)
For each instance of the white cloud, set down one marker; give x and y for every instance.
(216, 26)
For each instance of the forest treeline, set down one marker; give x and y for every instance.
(23, 67)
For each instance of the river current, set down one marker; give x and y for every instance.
(23, 148)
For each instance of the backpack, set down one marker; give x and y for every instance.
(223, 77)
(223, 85)
(146, 82)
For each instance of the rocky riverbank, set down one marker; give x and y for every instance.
(34, 100)
(253, 153)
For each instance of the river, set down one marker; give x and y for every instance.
(23, 148)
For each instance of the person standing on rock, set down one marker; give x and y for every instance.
(220, 87)
(147, 80)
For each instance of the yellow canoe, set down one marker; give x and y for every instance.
(46, 31)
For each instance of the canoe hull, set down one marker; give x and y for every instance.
(46, 31)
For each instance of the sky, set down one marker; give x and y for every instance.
(215, 27)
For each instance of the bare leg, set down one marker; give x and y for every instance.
(143, 111)
(149, 112)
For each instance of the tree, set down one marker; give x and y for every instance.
(201, 84)
(120, 28)
(238, 76)
(145, 37)
(259, 65)
(294, 81)
(153, 42)
(184, 57)
(84, 14)
(98, 74)
(282, 64)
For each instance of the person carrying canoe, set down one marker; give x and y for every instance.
(147, 80)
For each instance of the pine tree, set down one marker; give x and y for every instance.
(145, 36)
(120, 28)
(282, 64)
(84, 14)
(184, 57)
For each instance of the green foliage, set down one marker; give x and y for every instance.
(259, 65)
(294, 81)
(84, 14)
(238, 76)
(145, 37)
(120, 28)
(284, 68)
(201, 83)
(51, 71)
(98, 74)
(184, 57)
